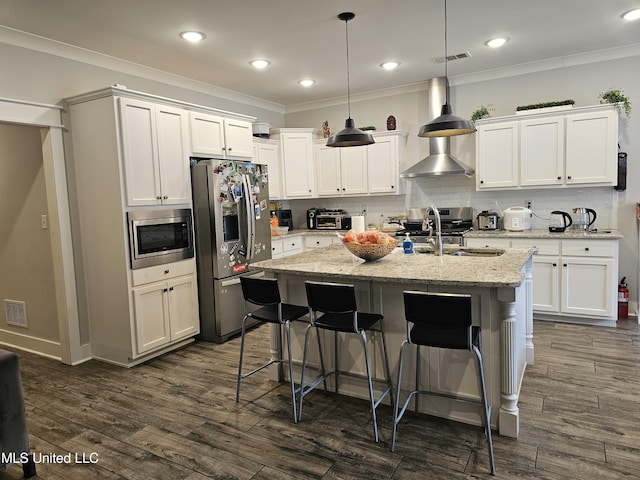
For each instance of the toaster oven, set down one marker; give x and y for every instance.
(331, 220)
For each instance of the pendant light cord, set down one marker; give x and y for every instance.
(346, 28)
(446, 61)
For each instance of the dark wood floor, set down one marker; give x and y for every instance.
(175, 418)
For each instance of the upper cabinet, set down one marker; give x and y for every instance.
(267, 152)
(296, 150)
(575, 147)
(155, 154)
(220, 137)
(365, 170)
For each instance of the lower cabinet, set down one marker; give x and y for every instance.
(319, 241)
(573, 279)
(165, 306)
(288, 245)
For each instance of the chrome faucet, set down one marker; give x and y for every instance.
(437, 242)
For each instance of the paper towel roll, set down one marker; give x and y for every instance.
(357, 223)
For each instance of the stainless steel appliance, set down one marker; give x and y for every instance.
(332, 219)
(488, 220)
(157, 237)
(559, 221)
(454, 222)
(583, 218)
(231, 218)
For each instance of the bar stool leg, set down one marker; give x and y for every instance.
(363, 334)
(485, 408)
(386, 360)
(287, 327)
(240, 362)
(396, 417)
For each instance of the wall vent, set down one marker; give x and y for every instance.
(16, 312)
(457, 56)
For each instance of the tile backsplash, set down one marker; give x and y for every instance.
(459, 191)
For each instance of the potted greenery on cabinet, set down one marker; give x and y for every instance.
(618, 98)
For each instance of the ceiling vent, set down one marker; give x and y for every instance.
(450, 58)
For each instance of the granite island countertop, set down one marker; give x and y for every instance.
(605, 234)
(337, 262)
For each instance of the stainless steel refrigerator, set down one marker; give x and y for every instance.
(231, 222)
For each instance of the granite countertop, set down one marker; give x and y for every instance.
(420, 268)
(545, 233)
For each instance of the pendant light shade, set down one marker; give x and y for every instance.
(350, 136)
(447, 124)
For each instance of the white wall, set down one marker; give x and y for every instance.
(580, 82)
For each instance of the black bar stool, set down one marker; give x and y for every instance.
(336, 304)
(264, 292)
(442, 320)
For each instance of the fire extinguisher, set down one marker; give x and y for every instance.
(623, 299)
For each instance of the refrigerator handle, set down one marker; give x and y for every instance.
(251, 224)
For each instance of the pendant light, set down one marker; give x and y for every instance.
(447, 124)
(350, 136)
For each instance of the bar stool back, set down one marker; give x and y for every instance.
(442, 320)
(332, 306)
(264, 292)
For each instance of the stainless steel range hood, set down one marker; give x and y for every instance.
(439, 161)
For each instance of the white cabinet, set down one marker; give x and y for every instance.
(296, 150)
(319, 241)
(340, 171)
(286, 246)
(268, 152)
(542, 151)
(156, 159)
(383, 162)
(165, 312)
(212, 135)
(497, 155)
(592, 148)
(575, 147)
(573, 279)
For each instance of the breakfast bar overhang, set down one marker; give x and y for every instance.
(500, 282)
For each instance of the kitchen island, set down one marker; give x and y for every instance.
(500, 283)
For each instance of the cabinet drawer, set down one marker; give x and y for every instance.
(290, 244)
(544, 246)
(277, 248)
(162, 272)
(588, 248)
(317, 242)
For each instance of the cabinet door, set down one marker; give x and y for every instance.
(542, 151)
(140, 152)
(497, 155)
(151, 317)
(297, 164)
(327, 161)
(587, 286)
(353, 170)
(383, 165)
(207, 134)
(183, 307)
(591, 149)
(546, 283)
(269, 154)
(173, 157)
(238, 138)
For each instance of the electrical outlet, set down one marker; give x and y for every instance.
(528, 204)
(44, 222)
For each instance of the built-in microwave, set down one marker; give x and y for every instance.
(157, 237)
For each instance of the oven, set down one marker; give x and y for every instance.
(454, 223)
(157, 237)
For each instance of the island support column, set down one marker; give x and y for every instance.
(509, 415)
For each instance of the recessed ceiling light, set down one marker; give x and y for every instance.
(496, 42)
(193, 36)
(259, 64)
(632, 15)
(390, 65)
(307, 82)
